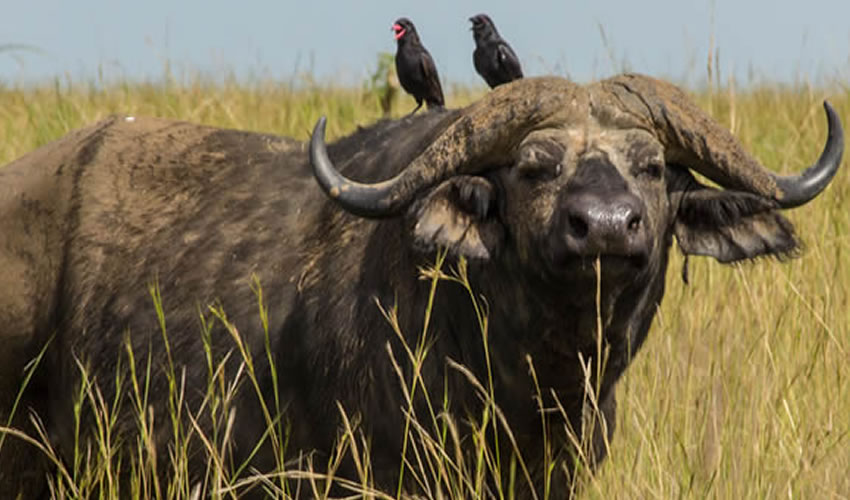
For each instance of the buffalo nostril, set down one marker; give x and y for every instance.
(578, 226)
(634, 222)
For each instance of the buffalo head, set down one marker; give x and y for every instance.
(570, 173)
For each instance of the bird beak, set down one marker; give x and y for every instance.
(398, 30)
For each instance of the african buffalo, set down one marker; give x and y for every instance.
(545, 186)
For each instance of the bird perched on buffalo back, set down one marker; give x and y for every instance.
(494, 59)
(415, 68)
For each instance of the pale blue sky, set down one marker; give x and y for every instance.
(779, 40)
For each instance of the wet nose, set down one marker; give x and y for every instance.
(597, 224)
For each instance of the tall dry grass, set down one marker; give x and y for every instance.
(741, 391)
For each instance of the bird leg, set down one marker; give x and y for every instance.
(418, 105)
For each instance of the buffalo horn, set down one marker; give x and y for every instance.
(481, 137)
(691, 138)
(799, 189)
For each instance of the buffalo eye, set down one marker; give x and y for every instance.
(540, 161)
(652, 170)
(540, 172)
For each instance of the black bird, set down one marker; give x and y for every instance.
(494, 59)
(415, 68)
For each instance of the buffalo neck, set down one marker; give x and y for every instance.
(528, 317)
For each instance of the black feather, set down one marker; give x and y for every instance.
(494, 59)
(416, 70)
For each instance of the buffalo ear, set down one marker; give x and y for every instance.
(460, 215)
(728, 225)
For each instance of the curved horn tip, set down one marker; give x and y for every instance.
(800, 189)
(318, 151)
(833, 121)
(366, 200)
(319, 128)
(831, 116)
(828, 107)
(323, 169)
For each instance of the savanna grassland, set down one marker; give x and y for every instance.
(743, 388)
